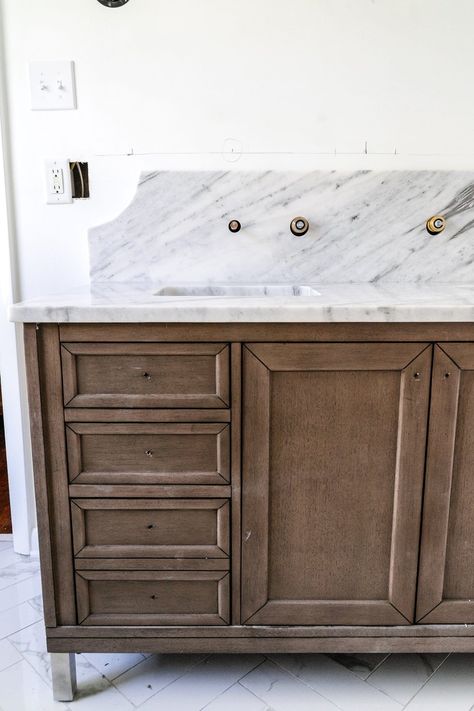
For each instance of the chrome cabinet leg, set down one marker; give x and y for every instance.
(63, 671)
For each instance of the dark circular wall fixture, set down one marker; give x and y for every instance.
(113, 3)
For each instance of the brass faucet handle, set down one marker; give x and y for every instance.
(436, 224)
(299, 226)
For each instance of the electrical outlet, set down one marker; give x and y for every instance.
(58, 182)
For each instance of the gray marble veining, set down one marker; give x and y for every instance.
(365, 226)
(114, 302)
(360, 663)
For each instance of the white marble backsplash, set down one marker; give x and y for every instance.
(365, 226)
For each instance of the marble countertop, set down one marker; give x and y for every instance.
(349, 302)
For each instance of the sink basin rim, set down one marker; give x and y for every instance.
(236, 290)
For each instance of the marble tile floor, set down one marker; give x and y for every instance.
(191, 682)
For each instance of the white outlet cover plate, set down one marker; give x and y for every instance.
(53, 86)
(65, 195)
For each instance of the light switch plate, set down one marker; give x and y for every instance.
(53, 86)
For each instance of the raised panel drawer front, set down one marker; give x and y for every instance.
(446, 578)
(176, 597)
(145, 374)
(144, 528)
(334, 442)
(148, 453)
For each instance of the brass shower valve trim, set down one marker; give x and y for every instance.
(436, 224)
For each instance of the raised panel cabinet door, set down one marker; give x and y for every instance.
(334, 439)
(446, 578)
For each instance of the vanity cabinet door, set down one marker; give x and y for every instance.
(446, 579)
(334, 439)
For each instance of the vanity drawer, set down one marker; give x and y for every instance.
(150, 528)
(149, 597)
(145, 375)
(148, 453)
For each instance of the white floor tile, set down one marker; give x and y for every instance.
(20, 592)
(5, 545)
(31, 644)
(402, 675)
(8, 556)
(8, 654)
(203, 683)
(21, 568)
(16, 618)
(281, 691)
(22, 689)
(334, 682)
(95, 692)
(237, 698)
(93, 688)
(153, 674)
(37, 604)
(359, 663)
(113, 665)
(451, 688)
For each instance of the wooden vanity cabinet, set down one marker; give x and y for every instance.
(267, 487)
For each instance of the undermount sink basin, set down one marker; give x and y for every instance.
(238, 290)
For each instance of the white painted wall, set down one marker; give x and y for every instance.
(11, 356)
(291, 80)
(180, 76)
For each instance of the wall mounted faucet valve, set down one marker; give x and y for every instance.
(235, 226)
(436, 224)
(299, 226)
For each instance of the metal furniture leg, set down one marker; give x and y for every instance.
(63, 670)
